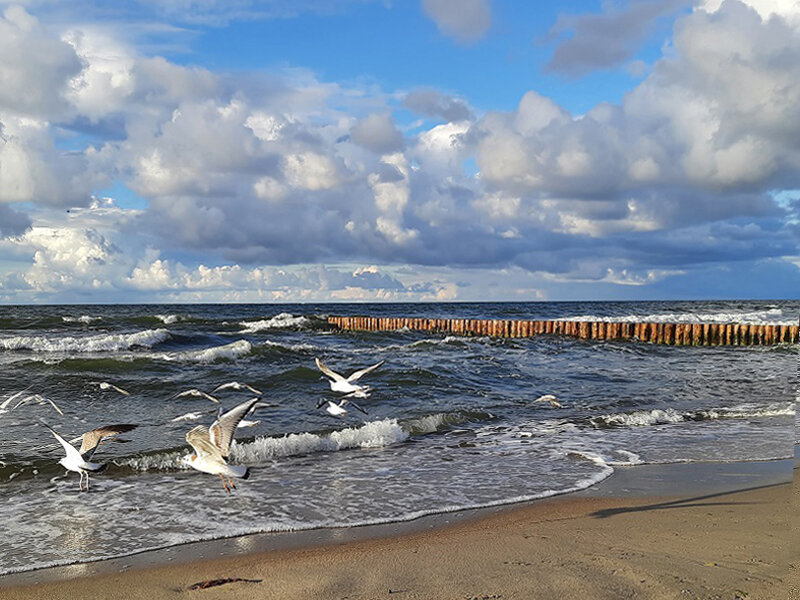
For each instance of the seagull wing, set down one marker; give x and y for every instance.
(252, 389)
(198, 439)
(11, 398)
(332, 374)
(354, 405)
(72, 452)
(91, 439)
(119, 389)
(209, 397)
(221, 431)
(226, 386)
(358, 374)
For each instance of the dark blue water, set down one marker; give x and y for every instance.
(451, 422)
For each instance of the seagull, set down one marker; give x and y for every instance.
(338, 410)
(190, 416)
(197, 393)
(346, 385)
(37, 398)
(105, 386)
(551, 399)
(235, 385)
(78, 460)
(212, 444)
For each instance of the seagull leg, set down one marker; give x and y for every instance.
(87, 481)
(223, 483)
(80, 482)
(230, 483)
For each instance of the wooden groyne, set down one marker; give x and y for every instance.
(674, 334)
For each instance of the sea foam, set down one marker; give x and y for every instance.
(95, 343)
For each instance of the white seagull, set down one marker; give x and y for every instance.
(551, 399)
(212, 444)
(36, 398)
(197, 393)
(337, 409)
(346, 385)
(235, 385)
(105, 386)
(78, 460)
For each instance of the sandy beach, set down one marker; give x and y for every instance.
(608, 542)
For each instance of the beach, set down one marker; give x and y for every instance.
(726, 534)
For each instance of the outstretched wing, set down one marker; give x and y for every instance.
(222, 430)
(91, 439)
(72, 452)
(358, 374)
(198, 439)
(354, 405)
(119, 389)
(332, 374)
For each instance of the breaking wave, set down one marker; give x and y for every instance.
(230, 351)
(95, 343)
(85, 319)
(771, 316)
(280, 321)
(645, 418)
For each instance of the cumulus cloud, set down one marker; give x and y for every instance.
(250, 181)
(465, 21)
(36, 68)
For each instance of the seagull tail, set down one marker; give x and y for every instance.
(237, 471)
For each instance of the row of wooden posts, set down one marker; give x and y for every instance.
(677, 334)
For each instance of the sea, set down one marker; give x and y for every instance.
(452, 422)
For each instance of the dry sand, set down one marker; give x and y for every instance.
(721, 545)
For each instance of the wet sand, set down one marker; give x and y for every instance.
(724, 531)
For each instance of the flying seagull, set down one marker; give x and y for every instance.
(212, 444)
(551, 399)
(346, 385)
(235, 385)
(337, 409)
(105, 386)
(79, 460)
(36, 398)
(197, 393)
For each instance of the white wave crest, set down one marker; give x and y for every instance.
(168, 319)
(771, 316)
(82, 319)
(208, 355)
(280, 321)
(95, 343)
(375, 434)
(645, 418)
(641, 418)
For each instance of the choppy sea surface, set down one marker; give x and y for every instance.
(451, 422)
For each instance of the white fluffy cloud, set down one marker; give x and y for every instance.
(248, 181)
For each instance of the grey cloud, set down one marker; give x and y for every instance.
(378, 133)
(433, 103)
(464, 20)
(35, 67)
(12, 222)
(597, 41)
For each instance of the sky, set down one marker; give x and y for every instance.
(398, 150)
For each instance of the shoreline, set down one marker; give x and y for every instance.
(629, 490)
